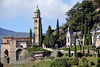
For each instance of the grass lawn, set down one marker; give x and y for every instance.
(43, 64)
(73, 48)
(30, 64)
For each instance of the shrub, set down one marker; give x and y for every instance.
(85, 65)
(41, 58)
(51, 58)
(80, 61)
(92, 63)
(1, 65)
(66, 54)
(34, 66)
(59, 63)
(79, 66)
(59, 54)
(84, 59)
(90, 55)
(98, 60)
(33, 59)
(86, 54)
(8, 59)
(79, 54)
(98, 65)
(75, 61)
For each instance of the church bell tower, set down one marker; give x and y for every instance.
(36, 26)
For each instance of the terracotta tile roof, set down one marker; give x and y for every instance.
(5, 43)
(8, 37)
(11, 37)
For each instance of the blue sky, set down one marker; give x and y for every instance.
(17, 15)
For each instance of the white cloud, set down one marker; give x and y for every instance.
(49, 8)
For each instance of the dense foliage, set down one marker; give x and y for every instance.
(80, 14)
(65, 62)
(49, 40)
(59, 63)
(31, 50)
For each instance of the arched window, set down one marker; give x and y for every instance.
(6, 52)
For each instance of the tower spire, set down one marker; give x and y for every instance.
(37, 6)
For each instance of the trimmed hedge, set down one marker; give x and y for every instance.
(92, 63)
(79, 54)
(31, 50)
(59, 54)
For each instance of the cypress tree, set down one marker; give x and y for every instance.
(85, 33)
(88, 50)
(47, 37)
(69, 52)
(82, 30)
(30, 36)
(57, 30)
(40, 36)
(52, 40)
(75, 47)
(83, 50)
(98, 53)
(89, 35)
(80, 46)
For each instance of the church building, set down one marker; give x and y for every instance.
(11, 45)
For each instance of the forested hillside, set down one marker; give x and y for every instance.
(81, 13)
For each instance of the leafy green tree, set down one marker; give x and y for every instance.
(98, 2)
(57, 30)
(30, 36)
(79, 14)
(40, 36)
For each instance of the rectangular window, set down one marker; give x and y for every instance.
(35, 27)
(35, 20)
